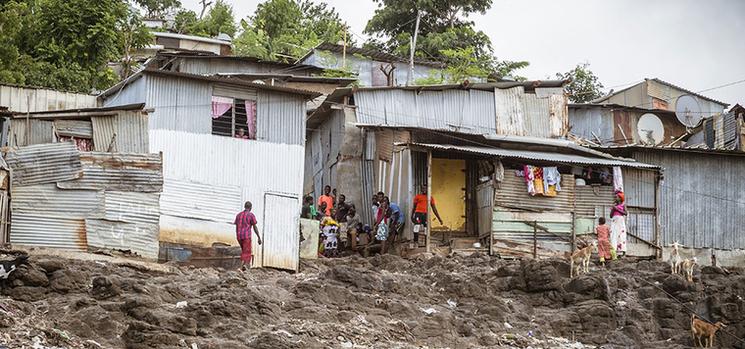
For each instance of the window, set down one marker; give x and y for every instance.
(233, 117)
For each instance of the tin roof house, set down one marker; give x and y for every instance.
(701, 159)
(224, 140)
(470, 146)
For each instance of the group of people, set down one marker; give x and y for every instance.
(342, 228)
(612, 240)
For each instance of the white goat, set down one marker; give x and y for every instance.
(675, 259)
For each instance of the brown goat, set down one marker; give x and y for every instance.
(701, 328)
(583, 257)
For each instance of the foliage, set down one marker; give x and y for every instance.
(157, 8)
(65, 44)
(219, 20)
(445, 35)
(134, 35)
(584, 85)
(434, 78)
(287, 29)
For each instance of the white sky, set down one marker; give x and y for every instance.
(691, 43)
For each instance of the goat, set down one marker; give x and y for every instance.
(583, 256)
(675, 259)
(701, 328)
(688, 265)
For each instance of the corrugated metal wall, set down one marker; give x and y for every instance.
(41, 131)
(17, 99)
(180, 104)
(513, 192)
(702, 198)
(509, 111)
(124, 133)
(68, 206)
(280, 118)
(133, 93)
(224, 162)
(44, 163)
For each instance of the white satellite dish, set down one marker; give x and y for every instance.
(688, 111)
(650, 129)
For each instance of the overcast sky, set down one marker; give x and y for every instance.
(695, 44)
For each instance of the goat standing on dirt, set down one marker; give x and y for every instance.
(688, 265)
(675, 259)
(583, 257)
(700, 328)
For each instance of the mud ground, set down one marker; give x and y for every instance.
(473, 301)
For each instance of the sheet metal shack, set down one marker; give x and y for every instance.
(83, 179)
(453, 139)
(209, 171)
(702, 199)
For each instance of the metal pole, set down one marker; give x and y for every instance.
(413, 48)
(574, 233)
(535, 239)
(658, 180)
(429, 200)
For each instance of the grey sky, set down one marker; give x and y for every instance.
(691, 43)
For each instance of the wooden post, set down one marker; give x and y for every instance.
(430, 214)
(574, 233)
(535, 239)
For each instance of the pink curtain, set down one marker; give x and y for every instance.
(220, 105)
(251, 119)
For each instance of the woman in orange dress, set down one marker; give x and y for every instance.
(603, 232)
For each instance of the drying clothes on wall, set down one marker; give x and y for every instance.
(538, 180)
(552, 180)
(617, 179)
(529, 178)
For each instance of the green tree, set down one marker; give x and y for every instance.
(287, 29)
(64, 44)
(134, 35)
(583, 85)
(219, 20)
(157, 8)
(445, 35)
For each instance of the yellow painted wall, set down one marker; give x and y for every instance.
(448, 181)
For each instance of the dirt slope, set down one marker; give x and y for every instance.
(380, 302)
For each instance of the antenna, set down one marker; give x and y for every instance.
(650, 129)
(688, 111)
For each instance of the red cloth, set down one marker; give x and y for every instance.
(245, 250)
(603, 232)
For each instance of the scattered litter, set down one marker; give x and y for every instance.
(92, 342)
(452, 304)
(477, 245)
(101, 263)
(621, 303)
(428, 311)
(288, 334)
(194, 346)
(347, 345)
(181, 305)
(507, 326)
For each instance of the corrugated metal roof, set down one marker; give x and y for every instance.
(236, 81)
(72, 113)
(116, 171)
(533, 155)
(44, 163)
(43, 231)
(372, 54)
(139, 238)
(191, 37)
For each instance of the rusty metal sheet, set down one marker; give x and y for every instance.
(74, 128)
(48, 200)
(140, 238)
(131, 207)
(118, 172)
(40, 132)
(44, 163)
(126, 132)
(43, 231)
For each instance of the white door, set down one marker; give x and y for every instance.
(281, 238)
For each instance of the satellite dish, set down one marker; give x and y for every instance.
(650, 129)
(688, 111)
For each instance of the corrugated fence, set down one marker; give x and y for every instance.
(63, 198)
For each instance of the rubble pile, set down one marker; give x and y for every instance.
(353, 302)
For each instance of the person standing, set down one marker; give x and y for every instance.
(419, 211)
(618, 226)
(396, 222)
(604, 247)
(327, 199)
(244, 222)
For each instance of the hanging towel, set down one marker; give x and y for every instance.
(617, 179)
